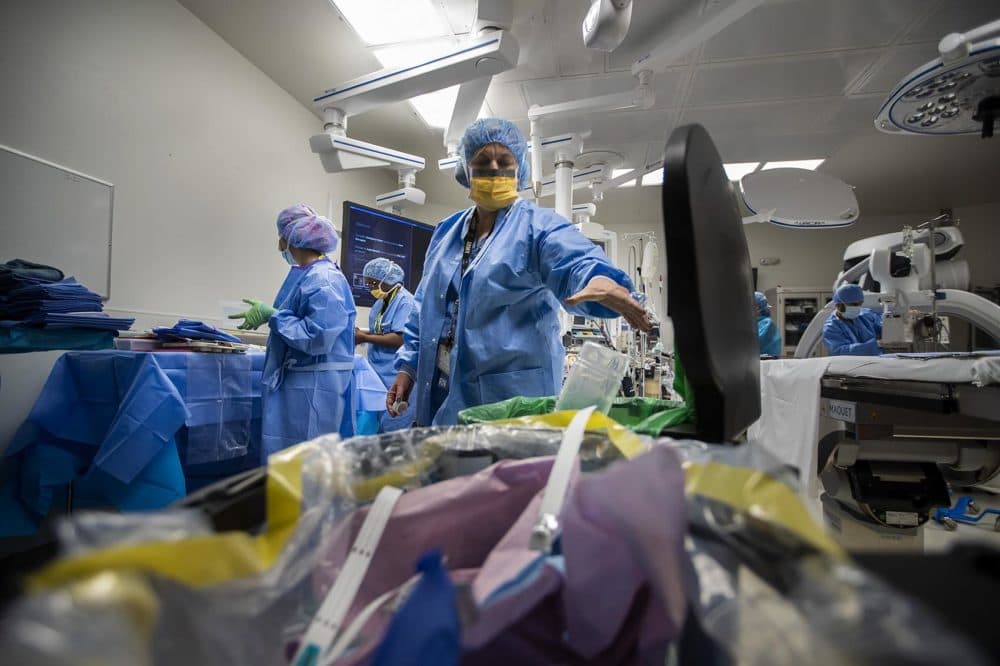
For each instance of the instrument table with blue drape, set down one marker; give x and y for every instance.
(137, 430)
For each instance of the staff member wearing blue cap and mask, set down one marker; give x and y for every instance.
(485, 324)
(388, 317)
(767, 333)
(308, 371)
(852, 330)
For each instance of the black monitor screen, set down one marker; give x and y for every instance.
(370, 233)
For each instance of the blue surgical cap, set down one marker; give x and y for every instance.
(383, 270)
(291, 214)
(763, 307)
(493, 130)
(849, 293)
(313, 232)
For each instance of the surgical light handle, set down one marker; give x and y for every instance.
(955, 46)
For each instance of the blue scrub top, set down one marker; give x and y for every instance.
(507, 338)
(853, 337)
(392, 321)
(768, 336)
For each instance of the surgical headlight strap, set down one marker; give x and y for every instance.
(493, 173)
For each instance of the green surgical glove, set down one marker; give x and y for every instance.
(256, 316)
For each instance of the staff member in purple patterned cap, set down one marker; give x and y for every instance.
(309, 368)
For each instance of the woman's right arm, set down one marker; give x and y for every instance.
(408, 355)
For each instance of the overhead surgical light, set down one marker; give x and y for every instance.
(957, 93)
(798, 198)
(606, 24)
(811, 165)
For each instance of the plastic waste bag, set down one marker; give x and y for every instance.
(246, 597)
(762, 581)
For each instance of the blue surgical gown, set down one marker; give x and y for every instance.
(507, 337)
(393, 321)
(383, 358)
(768, 336)
(853, 337)
(309, 366)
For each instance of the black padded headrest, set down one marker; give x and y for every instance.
(710, 286)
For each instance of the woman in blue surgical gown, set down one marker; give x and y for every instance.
(485, 323)
(308, 370)
(388, 317)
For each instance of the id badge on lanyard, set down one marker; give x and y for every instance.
(444, 350)
(444, 358)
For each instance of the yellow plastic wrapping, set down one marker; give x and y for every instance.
(624, 439)
(760, 496)
(201, 560)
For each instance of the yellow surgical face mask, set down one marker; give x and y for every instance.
(493, 192)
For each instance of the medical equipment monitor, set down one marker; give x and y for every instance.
(369, 233)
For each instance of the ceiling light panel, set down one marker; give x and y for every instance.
(653, 178)
(390, 21)
(736, 170)
(436, 108)
(615, 173)
(793, 164)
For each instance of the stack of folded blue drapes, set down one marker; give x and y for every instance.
(41, 308)
(190, 329)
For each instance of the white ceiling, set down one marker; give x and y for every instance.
(793, 79)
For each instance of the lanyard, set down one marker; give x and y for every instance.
(378, 317)
(470, 238)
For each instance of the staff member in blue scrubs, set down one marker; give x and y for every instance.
(309, 368)
(767, 333)
(485, 325)
(388, 317)
(852, 330)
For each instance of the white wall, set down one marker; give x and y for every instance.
(202, 147)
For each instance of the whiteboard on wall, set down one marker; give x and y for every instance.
(54, 215)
